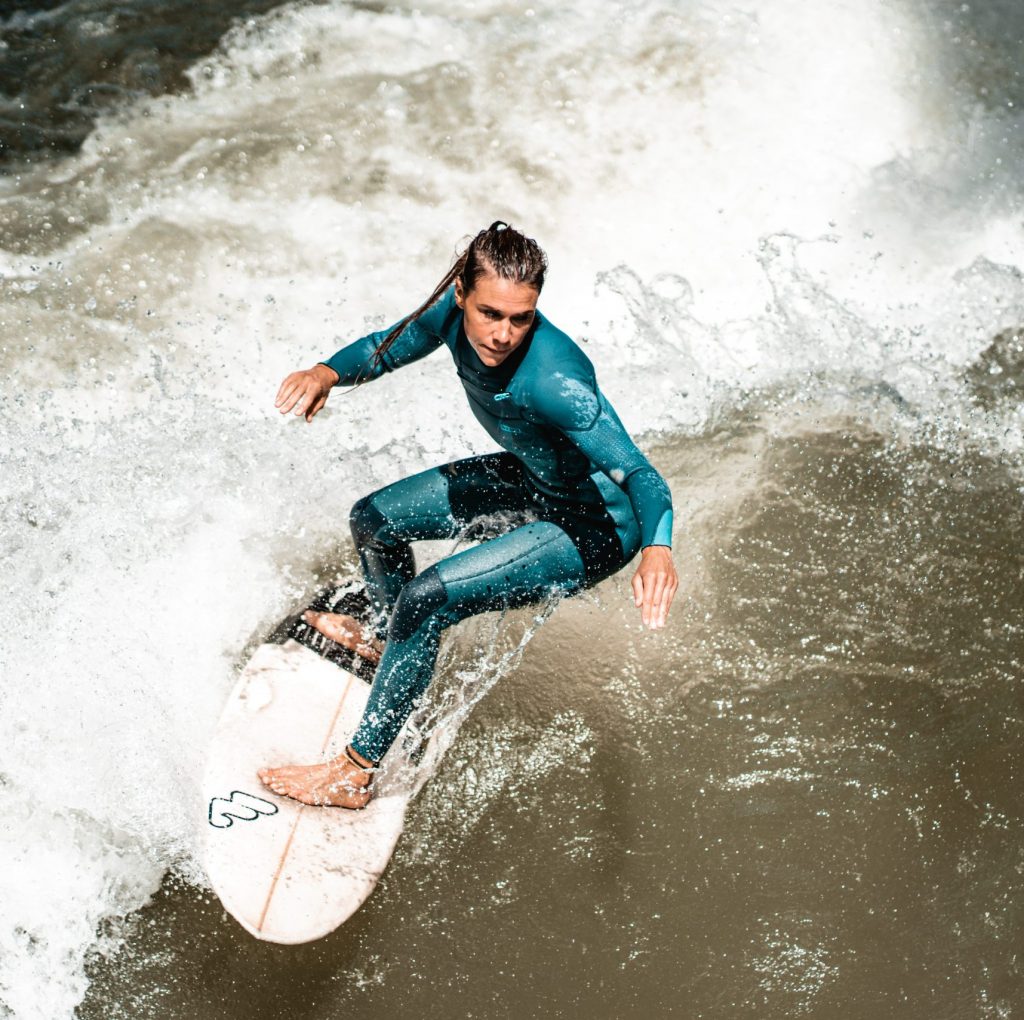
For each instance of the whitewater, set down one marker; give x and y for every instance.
(789, 235)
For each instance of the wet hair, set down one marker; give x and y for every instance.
(501, 250)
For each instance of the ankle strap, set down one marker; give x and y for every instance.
(358, 764)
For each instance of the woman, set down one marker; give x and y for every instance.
(585, 499)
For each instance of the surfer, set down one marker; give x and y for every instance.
(569, 501)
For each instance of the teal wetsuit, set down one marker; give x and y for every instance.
(569, 502)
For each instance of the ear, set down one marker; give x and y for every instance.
(460, 298)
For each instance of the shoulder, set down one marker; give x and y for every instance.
(557, 381)
(442, 316)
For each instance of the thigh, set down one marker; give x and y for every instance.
(480, 487)
(439, 502)
(521, 567)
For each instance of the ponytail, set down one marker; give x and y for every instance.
(399, 328)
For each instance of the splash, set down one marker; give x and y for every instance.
(740, 204)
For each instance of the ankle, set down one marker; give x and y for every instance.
(358, 760)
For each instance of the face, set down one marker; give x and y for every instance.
(498, 316)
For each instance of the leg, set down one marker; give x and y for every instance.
(519, 568)
(383, 524)
(434, 504)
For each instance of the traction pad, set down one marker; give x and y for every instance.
(347, 598)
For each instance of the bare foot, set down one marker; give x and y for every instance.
(337, 783)
(347, 631)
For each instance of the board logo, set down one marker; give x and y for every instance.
(241, 805)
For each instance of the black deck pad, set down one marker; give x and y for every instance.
(347, 598)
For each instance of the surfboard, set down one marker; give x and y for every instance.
(287, 872)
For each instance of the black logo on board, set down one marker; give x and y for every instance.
(241, 805)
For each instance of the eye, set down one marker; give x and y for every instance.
(491, 314)
(523, 320)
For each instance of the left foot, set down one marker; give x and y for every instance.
(337, 783)
(346, 631)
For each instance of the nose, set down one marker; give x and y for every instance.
(502, 331)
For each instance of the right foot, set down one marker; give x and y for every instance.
(341, 782)
(346, 631)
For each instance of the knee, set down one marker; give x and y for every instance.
(366, 521)
(420, 599)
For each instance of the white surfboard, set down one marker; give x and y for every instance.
(287, 872)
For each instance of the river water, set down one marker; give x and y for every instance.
(790, 234)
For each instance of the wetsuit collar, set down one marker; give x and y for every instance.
(498, 376)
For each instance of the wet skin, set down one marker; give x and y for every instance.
(336, 783)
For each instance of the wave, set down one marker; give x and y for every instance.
(749, 213)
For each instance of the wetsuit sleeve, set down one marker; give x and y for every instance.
(582, 413)
(356, 363)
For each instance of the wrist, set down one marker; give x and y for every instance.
(325, 373)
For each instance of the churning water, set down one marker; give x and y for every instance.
(791, 234)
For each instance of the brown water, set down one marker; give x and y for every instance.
(802, 799)
(789, 234)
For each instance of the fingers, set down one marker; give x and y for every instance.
(291, 391)
(653, 591)
(302, 393)
(652, 601)
(305, 399)
(668, 593)
(315, 409)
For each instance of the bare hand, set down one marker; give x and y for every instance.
(654, 584)
(306, 392)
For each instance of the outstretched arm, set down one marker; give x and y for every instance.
(609, 447)
(589, 421)
(305, 392)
